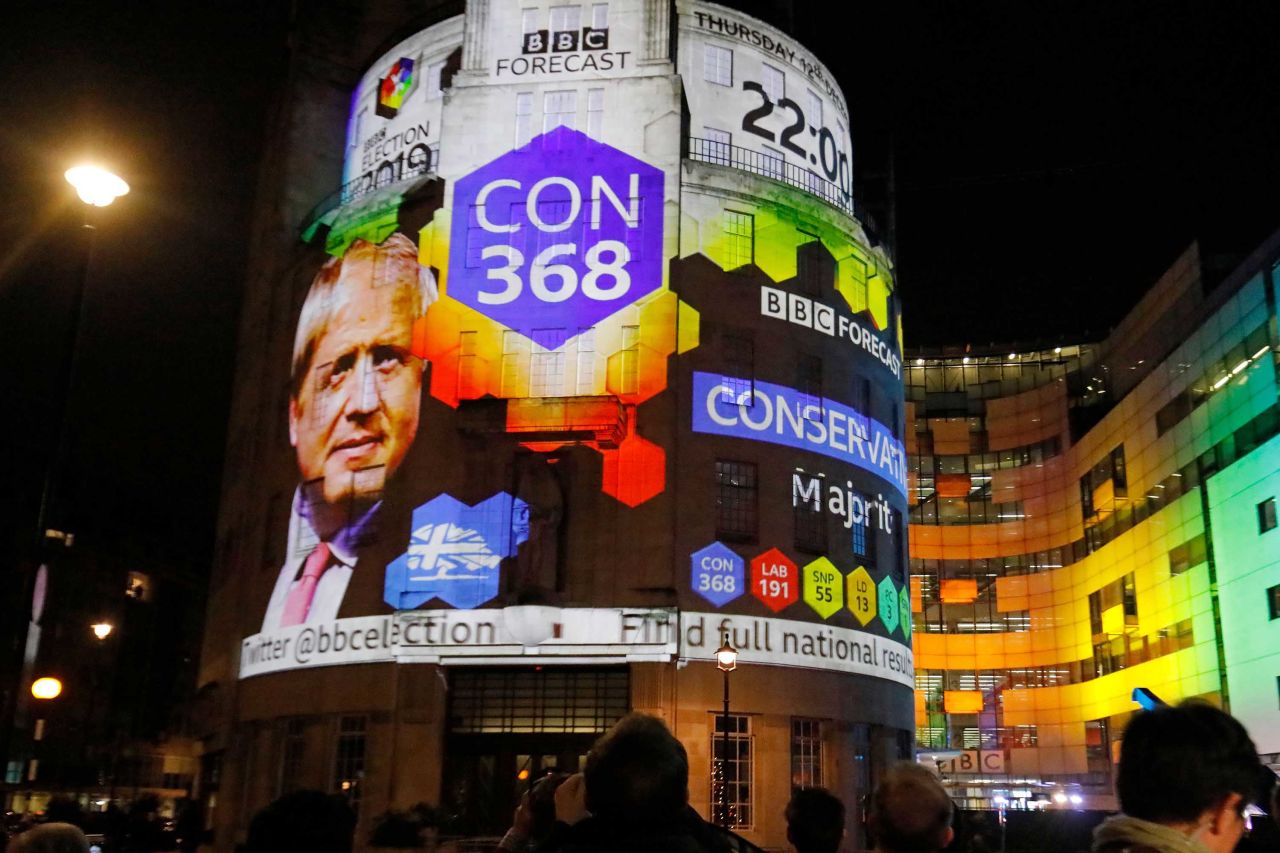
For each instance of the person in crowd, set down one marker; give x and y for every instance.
(50, 838)
(632, 796)
(910, 811)
(354, 400)
(535, 816)
(815, 821)
(309, 821)
(1186, 775)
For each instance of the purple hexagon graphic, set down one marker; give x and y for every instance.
(556, 235)
(718, 574)
(455, 550)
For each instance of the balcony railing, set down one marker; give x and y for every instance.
(777, 168)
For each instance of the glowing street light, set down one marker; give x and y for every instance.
(102, 630)
(46, 688)
(727, 662)
(727, 656)
(96, 186)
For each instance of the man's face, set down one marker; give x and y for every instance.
(356, 413)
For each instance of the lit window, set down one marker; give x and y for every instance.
(731, 771)
(565, 18)
(515, 358)
(599, 16)
(348, 760)
(740, 234)
(773, 81)
(595, 113)
(806, 753)
(1267, 515)
(717, 65)
(559, 109)
(739, 378)
(717, 146)
(524, 118)
(528, 21)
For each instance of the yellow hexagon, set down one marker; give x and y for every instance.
(862, 595)
(823, 587)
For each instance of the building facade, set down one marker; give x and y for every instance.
(1088, 520)
(566, 357)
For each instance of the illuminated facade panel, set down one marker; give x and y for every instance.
(1080, 529)
(588, 366)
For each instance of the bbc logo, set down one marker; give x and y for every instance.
(798, 310)
(565, 41)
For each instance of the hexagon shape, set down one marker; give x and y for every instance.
(455, 550)
(888, 604)
(558, 234)
(861, 595)
(823, 587)
(718, 574)
(775, 579)
(634, 471)
(904, 611)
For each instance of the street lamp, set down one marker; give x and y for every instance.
(102, 630)
(727, 661)
(95, 185)
(46, 688)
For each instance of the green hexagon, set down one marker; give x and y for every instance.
(823, 587)
(888, 604)
(904, 610)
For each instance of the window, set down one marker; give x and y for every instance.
(809, 384)
(717, 65)
(348, 758)
(523, 701)
(773, 81)
(524, 118)
(595, 112)
(295, 745)
(630, 359)
(806, 753)
(810, 523)
(736, 487)
(559, 108)
(546, 378)
(740, 237)
(586, 361)
(515, 357)
(1095, 612)
(731, 771)
(739, 378)
(434, 71)
(1267, 515)
(565, 19)
(772, 162)
(1119, 479)
(1187, 555)
(528, 21)
(467, 357)
(717, 146)
(1273, 602)
(599, 16)
(815, 110)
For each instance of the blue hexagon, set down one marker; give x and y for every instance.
(556, 235)
(718, 574)
(888, 595)
(455, 551)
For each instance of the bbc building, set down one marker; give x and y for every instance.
(566, 358)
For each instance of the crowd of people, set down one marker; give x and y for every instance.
(1189, 781)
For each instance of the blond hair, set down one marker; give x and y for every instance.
(394, 262)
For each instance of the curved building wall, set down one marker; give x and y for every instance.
(584, 365)
(1068, 547)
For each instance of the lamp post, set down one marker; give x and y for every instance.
(97, 188)
(727, 661)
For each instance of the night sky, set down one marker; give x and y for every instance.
(1050, 160)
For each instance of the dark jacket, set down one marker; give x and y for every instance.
(686, 833)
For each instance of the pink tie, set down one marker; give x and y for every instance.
(298, 603)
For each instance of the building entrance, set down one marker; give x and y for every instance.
(509, 727)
